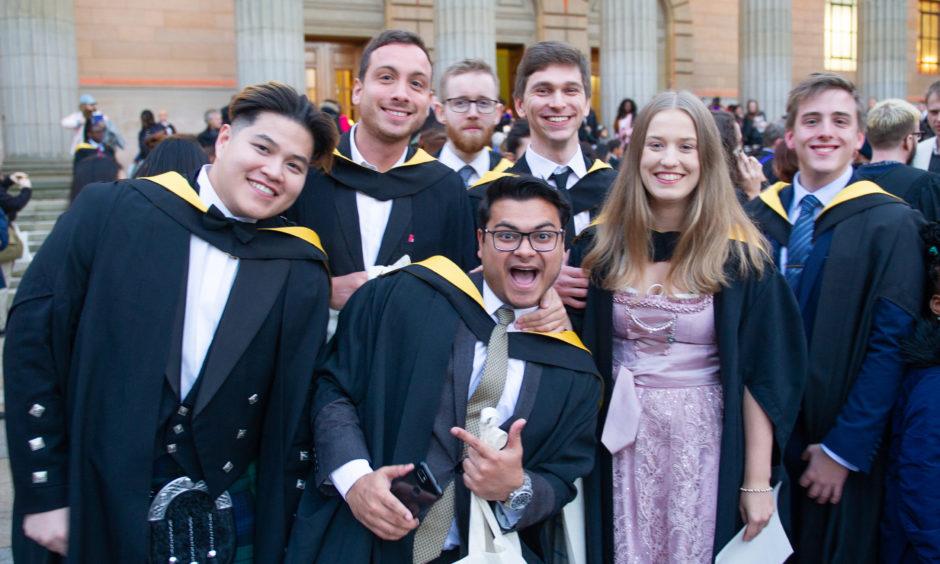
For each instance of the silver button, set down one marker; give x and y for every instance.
(301, 484)
(183, 410)
(36, 444)
(228, 467)
(171, 448)
(37, 410)
(40, 477)
(241, 434)
(253, 399)
(178, 429)
(304, 455)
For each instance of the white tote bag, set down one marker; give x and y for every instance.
(487, 543)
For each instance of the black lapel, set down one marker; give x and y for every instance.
(257, 286)
(347, 215)
(464, 350)
(175, 355)
(396, 230)
(530, 386)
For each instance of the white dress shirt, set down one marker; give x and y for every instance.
(209, 282)
(480, 163)
(544, 168)
(373, 213)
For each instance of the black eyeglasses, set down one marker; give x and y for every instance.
(508, 241)
(462, 105)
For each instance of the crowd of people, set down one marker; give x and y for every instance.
(300, 339)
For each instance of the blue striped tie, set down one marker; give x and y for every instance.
(801, 240)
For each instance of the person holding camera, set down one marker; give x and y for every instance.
(80, 122)
(10, 205)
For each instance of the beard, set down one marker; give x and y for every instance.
(469, 142)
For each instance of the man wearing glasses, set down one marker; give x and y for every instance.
(893, 133)
(467, 106)
(553, 91)
(416, 356)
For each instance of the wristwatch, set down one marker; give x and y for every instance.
(521, 497)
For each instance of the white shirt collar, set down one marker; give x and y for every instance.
(357, 157)
(544, 168)
(825, 194)
(480, 163)
(492, 303)
(210, 197)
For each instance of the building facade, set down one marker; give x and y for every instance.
(187, 56)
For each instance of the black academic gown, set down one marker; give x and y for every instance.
(430, 213)
(88, 342)
(919, 188)
(761, 346)
(859, 295)
(586, 195)
(409, 320)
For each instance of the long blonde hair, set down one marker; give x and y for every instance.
(623, 243)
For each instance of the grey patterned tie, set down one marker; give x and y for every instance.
(429, 539)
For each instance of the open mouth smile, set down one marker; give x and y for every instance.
(261, 188)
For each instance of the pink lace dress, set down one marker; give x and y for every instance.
(665, 428)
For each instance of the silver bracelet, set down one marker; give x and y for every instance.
(756, 490)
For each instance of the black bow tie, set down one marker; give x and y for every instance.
(215, 220)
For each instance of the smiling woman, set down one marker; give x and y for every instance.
(674, 320)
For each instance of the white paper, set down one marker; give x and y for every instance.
(771, 546)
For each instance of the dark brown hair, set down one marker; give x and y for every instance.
(389, 37)
(541, 55)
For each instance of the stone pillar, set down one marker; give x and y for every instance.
(628, 54)
(270, 42)
(765, 54)
(38, 81)
(463, 29)
(882, 49)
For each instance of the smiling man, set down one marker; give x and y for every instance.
(553, 92)
(414, 360)
(851, 253)
(384, 202)
(160, 352)
(468, 107)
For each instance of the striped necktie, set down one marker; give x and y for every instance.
(801, 240)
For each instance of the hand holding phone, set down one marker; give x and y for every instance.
(417, 490)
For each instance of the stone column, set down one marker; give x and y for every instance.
(38, 81)
(882, 49)
(628, 54)
(270, 42)
(765, 54)
(463, 29)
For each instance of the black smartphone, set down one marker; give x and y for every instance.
(417, 490)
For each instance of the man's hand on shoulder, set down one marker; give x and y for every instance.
(572, 285)
(493, 474)
(49, 529)
(550, 317)
(373, 504)
(345, 286)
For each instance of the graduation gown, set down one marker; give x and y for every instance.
(87, 359)
(430, 213)
(761, 346)
(919, 188)
(390, 358)
(586, 195)
(859, 294)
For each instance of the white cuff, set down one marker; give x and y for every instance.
(348, 474)
(838, 458)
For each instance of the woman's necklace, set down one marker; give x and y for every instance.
(668, 325)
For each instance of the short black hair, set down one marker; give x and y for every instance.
(520, 188)
(179, 153)
(283, 100)
(518, 131)
(389, 37)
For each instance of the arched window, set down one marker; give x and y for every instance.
(928, 37)
(840, 43)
